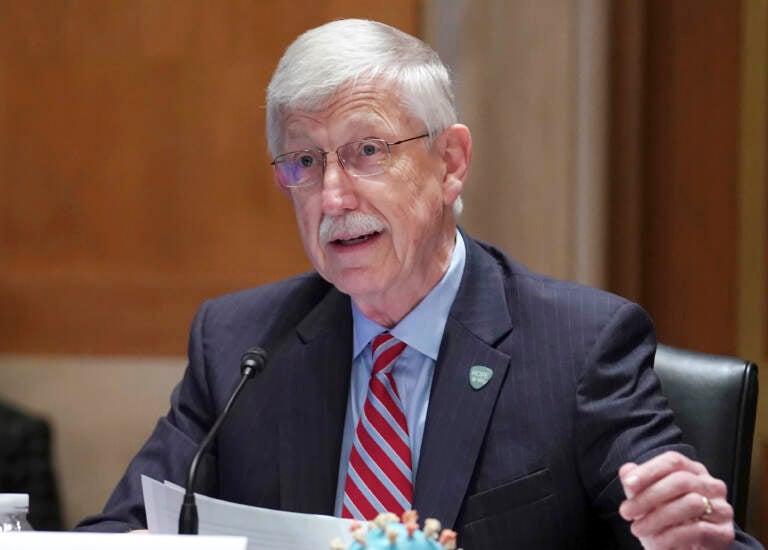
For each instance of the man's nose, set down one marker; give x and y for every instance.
(338, 188)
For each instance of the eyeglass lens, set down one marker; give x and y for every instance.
(360, 158)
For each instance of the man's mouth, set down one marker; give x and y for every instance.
(356, 240)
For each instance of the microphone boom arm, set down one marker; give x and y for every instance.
(251, 363)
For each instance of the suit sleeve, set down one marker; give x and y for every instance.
(623, 416)
(168, 452)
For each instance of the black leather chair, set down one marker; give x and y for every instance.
(714, 399)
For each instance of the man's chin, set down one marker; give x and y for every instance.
(357, 281)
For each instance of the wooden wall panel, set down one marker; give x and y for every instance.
(753, 184)
(625, 157)
(688, 162)
(134, 178)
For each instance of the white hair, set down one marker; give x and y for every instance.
(347, 52)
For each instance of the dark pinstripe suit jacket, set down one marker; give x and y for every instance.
(528, 461)
(26, 465)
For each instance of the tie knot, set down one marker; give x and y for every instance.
(386, 349)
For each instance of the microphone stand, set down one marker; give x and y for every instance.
(251, 363)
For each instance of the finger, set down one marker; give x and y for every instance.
(639, 478)
(693, 534)
(689, 508)
(671, 488)
(626, 468)
(721, 511)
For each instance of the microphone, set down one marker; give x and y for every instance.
(252, 363)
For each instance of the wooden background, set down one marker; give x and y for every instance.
(133, 168)
(675, 167)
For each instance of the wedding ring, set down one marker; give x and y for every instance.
(707, 507)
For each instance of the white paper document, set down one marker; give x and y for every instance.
(265, 529)
(36, 540)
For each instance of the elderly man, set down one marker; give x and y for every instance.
(417, 367)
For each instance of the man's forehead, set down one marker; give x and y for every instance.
(359, 122)
(299, 122)
(360, 103)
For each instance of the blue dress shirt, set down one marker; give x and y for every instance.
(422, 331)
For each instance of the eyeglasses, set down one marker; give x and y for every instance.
(366, 157)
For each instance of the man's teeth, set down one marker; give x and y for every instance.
(356, 240)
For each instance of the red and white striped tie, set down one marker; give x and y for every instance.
(379, 476)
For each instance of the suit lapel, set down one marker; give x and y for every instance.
(311, 429)
(318, 366)
(458, 414)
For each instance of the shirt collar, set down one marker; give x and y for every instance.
(422, 329)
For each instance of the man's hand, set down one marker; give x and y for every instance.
(673, 502)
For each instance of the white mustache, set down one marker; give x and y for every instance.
(349, 225)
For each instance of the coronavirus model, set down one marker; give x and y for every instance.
(387, 532)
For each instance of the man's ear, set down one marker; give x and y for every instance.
(456, 150)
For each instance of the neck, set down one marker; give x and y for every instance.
(389, 307)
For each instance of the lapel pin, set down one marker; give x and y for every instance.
(479, 375)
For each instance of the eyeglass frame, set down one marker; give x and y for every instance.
(324, 154)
